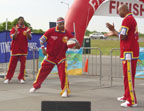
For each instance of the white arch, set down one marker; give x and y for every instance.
(82, 11)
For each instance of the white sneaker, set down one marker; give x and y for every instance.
(127, 104)
(64, 95)
(22, 81)
(122, 99)
(6, 81)
(32, 90)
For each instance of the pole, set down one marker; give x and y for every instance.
(74, 30)
(6, 40)
(34, 63)
(6, 28)
(65, 4)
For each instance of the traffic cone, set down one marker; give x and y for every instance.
(86, 66)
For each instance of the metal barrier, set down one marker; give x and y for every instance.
(35, 62)
(116, 65)
(104, 68)
(94, 57)
(3, 69)
(31, 67)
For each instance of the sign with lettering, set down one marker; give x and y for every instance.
(5, 44)
(110, 8)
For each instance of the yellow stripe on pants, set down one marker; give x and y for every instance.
(66, 80)
(129, 75)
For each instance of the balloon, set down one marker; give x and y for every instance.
(79, 15)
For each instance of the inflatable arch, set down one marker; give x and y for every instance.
(81, 12)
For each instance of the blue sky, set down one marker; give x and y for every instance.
(40, 12)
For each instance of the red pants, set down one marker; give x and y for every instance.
(129, 70)
(44, 71)
(12, 65)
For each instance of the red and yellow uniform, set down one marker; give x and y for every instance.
(56, 55)
(19, 51)
(129, 49)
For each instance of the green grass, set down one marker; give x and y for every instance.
(107, 45)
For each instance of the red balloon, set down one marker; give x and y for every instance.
(79, 15)
(141, 0)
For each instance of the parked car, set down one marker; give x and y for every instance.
(97, 36)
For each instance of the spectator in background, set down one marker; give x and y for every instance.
(129, 53)
(19, 50)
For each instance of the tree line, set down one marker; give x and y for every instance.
(14, 22)
(10, 24)
(39, 31)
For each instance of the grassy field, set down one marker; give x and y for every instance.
(107, 45)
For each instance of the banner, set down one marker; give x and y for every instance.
(5, 44)
(140, 64)
(33, 47)
(74, 61)
(110, 7)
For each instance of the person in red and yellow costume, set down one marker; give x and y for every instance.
(19, 49)
(129, 53)
(56, 39)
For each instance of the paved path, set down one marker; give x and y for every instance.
(15, 96)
